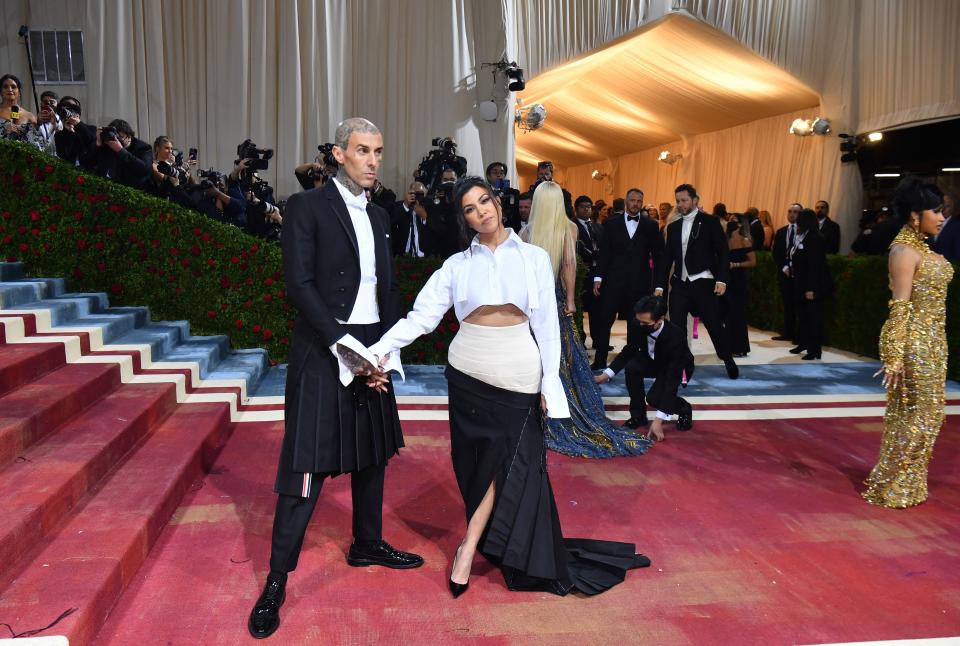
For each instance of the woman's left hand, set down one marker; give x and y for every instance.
(570, 309)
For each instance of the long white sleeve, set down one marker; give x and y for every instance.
(545, 324)
(432, 303)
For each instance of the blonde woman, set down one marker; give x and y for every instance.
(587, 432)
(767, 221)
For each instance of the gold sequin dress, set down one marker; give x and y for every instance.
(914, 337)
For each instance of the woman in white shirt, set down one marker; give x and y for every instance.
(501, 381)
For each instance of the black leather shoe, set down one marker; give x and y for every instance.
(797, 350)
(732, 370)
(265, 616)
(636, 422)
(685, 416)
(780, 337)
(382, 553)
(810, 357)
(456, 589)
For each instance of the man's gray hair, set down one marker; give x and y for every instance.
(349, 126)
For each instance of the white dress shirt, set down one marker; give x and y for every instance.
(365, 309)
(516, 273)
(686, 227)
(632, 225)
(651, 347)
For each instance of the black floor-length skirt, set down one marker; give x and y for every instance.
(497, 436)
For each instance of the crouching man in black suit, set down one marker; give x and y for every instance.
(655, 348)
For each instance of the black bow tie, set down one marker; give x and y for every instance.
(635, 218)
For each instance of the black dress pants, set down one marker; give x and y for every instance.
(617, 300)
(641, 367)
(810, 332)
(697, 298)
(293, 515)
(788, 295)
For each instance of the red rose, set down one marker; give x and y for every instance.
(80, 179)
(174, 252)
(178, 290)
(267, 298)
(195, 250)
(234, 259)
(285, 340)
(117, 288)
(205, 237)
(211, 262)
(281, 294)
(255, 248)
(35, 232)
(52, 228)
(440, 345)
(151, 270)
(211, 313)
(110, 231)
(256, 328)
(185, 262)
(197, 232)
(23, 246)
(225, 282)
(101, 267)
(21, 229)
(34, 216)
(453, 327)
(239, 324)
(268, 334)
(78, 273)
(133, 237)
(48, 168)
(116, 208)
(268, 281)
(81, 244)
(249, 303)
(248, 281)
(7, 239)
(290, 323)
(98, 246)
(133, 219)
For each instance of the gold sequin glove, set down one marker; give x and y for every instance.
(893, 335)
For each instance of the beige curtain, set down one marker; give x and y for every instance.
(756, 164)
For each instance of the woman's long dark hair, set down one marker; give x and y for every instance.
(465, 185)
(913, 195)
(807, 221)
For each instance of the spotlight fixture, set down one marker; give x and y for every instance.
(597, 175)
(530, 117)
(875, 137)
(807, 127)
(668, 157)
(488, 110)
(515, 73)
(848, 148)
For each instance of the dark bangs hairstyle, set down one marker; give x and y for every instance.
(913, 195)
(465, 185)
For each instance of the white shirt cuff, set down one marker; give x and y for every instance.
(663, 416)
(597, 279)
(609, 373)
(346, 375)
(552, 390)
(393, 363)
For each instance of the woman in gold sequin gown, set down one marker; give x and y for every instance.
(913, 349)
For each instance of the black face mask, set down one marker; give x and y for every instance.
(647, 330)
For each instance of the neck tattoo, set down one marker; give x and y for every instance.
(348, 183)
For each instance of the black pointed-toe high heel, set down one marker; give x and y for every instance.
(456, 589)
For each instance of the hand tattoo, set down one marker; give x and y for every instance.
(348, 183)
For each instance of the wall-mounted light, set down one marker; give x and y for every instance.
(597, 175)
(874, 137)
(668, 157)
(807, 127)
(886, 174)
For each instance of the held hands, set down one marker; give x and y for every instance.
(891, 376)
(378, 379)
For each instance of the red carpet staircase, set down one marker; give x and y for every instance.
(91, 468)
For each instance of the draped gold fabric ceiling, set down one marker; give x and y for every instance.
(673, 78)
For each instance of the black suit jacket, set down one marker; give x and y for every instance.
(131, 166)
(707, 248)
(321, 263)
(780, 249)
(588, 242)
(757, 234)
(830, 232)
(73, 146)
(623, 261)
(400, 230)
(671, 355)
(810, 266)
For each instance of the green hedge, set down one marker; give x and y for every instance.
(141, 250)
(857, 310)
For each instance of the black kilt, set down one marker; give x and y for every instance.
(331, 429)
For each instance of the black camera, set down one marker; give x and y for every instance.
(259, 157)
(109, 133)
(443, 157)
(65, 113)
(211, 178)
(446, 144)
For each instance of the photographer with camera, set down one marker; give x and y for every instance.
(120, 156)
(441, 215)
(509, 197)
(316, 173)
(171, 176)
(545, 174)
(216, 204)
(42, 135)
(444, 156)
(263, 217)
(76, 138)
(409, 228)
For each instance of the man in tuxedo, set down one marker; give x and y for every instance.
(408, 224)
(697, 254)
(340, 411)
(523, 211)
(829, 230)
(783, 243)
(630, 249)
(509, 197)
(948, 240)
(588, 246)
(656, 348)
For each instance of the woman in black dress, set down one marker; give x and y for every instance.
(742, 259)
(501, 380)
(813, 282)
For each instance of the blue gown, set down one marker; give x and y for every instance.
(587, 433)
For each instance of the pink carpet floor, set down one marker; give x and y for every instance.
(756, 531)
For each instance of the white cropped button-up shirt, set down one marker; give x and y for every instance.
(516, 273)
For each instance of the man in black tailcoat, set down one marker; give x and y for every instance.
(588, 246)
(697, 264)
(340, 411)
(630, 249)
(783, 241)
